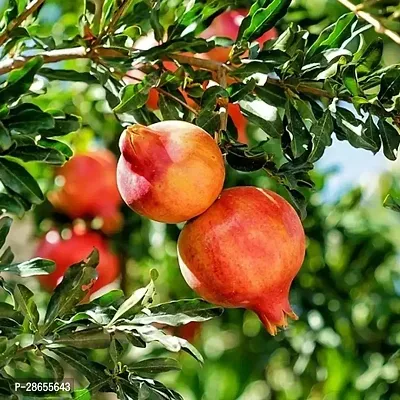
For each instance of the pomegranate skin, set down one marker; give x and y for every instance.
(90, 189)
(65, 252)
(244, 251)
(170, 171)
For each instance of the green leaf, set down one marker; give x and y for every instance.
(5, 138)
(155, 23)
(155, 366)
(270, 122)
(237, 91)
(36, 266)
(67, 75)
(93, 371)
(7, 257)
(392, 202)
(350, 80)
(333, 36)
(61, 147)
(54, 367)
(86, 339)
(299, 135)
(20, 80)
(81, 394)
(39, 154)
(8, 311)
(25, 303)
(29, 121)
(178, 312)
(271, 94)
(261, 19)
(390, 139)
(78, 279)
(11, 205)
(241, 158)
(321, 133)
(5, 225)
(16, 178)
(135, 96)
(353, 130)
(370, 58)
(372, 132)
(169, 108)
(390, 85)
(172, 343)
(134, 302)
(63, 125)
(115, 351)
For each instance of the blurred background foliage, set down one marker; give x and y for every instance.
(347, 295)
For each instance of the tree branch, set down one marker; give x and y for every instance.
(373, 21)
(21, 18)
(48, 57)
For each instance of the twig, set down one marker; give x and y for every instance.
(111, 26)
(30, 9)
(373, 21)
(209, 65)
(223, 111)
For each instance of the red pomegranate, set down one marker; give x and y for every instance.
(65, 252)
(244, 251)
(170, 171)
(89, 189)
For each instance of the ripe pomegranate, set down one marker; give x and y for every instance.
(170, 171)
(244, 251)
(89, 189)
(227, 25)
(190, 331)
(65, 252)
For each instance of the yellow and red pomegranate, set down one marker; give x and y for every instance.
(244, 251)
(170, 171)
(89, 189)
(65, 252)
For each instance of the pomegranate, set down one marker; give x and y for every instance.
(244, 251)
(170, 171)
(65, 252)
(89, 189)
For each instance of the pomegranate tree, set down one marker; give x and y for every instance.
(244, 251)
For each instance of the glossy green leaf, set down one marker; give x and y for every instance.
(321, 133)
(54, 367)
(78, 279)
(38, 153)
(392, 202)
(299, 134)
(5, 225)
(155, 366)
(390, 85)
(86, 339)
(390, 139)
(67, 75)
(5, 138)
(178, 312)
(350, 80)
(135, 96)
(263, 16)
(36, 266)
(333, 36)
(25, 303)
(11, 205)
(16, 178)
(61, 147)
(370, 58)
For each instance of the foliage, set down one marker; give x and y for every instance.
(298, 89)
